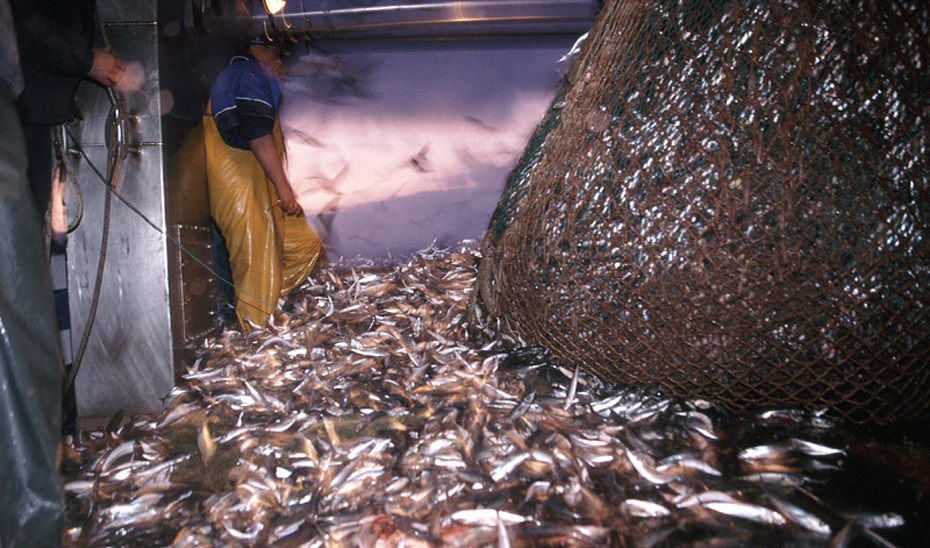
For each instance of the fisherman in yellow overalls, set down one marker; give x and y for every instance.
(272, 249)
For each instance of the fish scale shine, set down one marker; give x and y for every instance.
(375, 416)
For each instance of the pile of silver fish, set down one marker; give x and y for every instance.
(379, 409)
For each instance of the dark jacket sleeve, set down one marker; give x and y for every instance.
(46, 44)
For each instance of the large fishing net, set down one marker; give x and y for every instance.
(730, 200)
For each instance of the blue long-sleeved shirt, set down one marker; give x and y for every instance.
(244, 101)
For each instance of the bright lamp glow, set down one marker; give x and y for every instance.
(274, 6)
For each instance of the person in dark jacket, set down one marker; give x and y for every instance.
(55, 40)
(31, 502)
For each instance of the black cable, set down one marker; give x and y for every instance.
(95, 300)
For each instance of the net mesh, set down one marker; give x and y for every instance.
(729, 200)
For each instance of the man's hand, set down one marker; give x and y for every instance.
(287, 201)
(107, 68)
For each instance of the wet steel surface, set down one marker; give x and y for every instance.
(380, 413)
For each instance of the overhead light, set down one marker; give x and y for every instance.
(274, 6)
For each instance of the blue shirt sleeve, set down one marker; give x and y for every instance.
(255, 106)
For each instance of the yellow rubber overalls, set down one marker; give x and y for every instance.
(270, 253)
